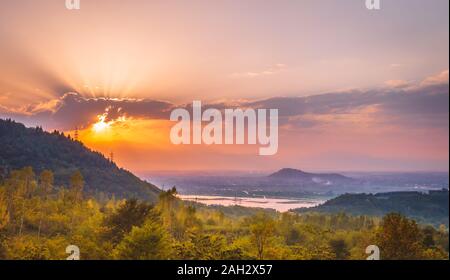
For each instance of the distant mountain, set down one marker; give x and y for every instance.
(431, 207)
(295, 174)
(21, 147)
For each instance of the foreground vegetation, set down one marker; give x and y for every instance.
(38, 221)
(427, 208)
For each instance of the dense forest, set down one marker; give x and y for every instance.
(21, 146)
(427, 208)
(38, 221)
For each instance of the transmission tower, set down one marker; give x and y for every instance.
(76, 134)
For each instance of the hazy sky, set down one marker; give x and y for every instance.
(356, 89)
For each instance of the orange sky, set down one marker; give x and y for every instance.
(355, 89)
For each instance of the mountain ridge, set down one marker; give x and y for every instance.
(291, 173)
(430, 207)
(21, 146)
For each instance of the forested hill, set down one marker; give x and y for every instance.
(431, 207)
(295, 174)
(21, 147)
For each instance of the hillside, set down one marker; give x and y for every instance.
(431, 207)
(295, 174)
(21, 146)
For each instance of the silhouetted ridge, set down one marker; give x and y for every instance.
(290, 173)
(21, 146)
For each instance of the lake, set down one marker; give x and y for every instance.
(279, 204)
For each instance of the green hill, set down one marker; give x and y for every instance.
(21, 147)
(431, 207)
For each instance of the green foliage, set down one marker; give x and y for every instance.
(339, 248)
(212, 246)
(131, 214)
(148, 242)
(262, 228)
(430, 208)
(4, 214)
(77, 185)
(38, 222)
(46, 180)
(400, 238)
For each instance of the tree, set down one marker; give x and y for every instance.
(20, 188)
(28, 177)
(428, 239)
(77, 185)
(339, 248)
(293, 236)
(46, 181)
(4, 215)
(4, 221)
(166, 202)
(131, 214)
(167, 198)
(148, 242)
(201, 247)
(399, 238)
(26, 248)
(262, 228)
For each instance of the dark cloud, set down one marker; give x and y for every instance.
(428, 104)
(430, 99)
(73, 110)
(420, 105)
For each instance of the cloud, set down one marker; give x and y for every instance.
(73, 110)
(396, 65)
(437, 79)
(397, 83)
(401, 103)
(274, 69)
(426, 103)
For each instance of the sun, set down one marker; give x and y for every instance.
(101, 125)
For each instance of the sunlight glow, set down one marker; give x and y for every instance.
(101, 125)
(104, 121)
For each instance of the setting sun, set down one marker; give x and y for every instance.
(101, 125)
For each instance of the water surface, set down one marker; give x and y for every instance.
(279, 204)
